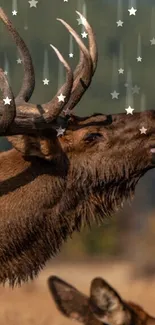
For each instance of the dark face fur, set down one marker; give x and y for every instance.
(107, 156)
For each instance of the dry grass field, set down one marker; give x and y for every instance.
(32, 304)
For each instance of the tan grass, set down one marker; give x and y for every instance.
(32, 304)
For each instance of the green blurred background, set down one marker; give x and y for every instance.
(130, 234)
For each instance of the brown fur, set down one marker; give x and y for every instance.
(104, 306)
(51, 186)
(44, 200)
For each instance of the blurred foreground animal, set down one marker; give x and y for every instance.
(52, 181)
(104, 306)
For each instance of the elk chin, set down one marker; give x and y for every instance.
(120, 205)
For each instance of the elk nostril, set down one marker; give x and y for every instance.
(152, 150)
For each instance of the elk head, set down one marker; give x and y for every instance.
(104, 306)
(52, 181)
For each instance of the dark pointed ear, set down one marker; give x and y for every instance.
(106, 304)
(68, 299)
(35, 146)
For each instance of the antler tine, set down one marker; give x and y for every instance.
(84, 68)
(92, 42)
(92, 50)
(29, 76)
(53, 108)
(28, 116)
(9, 110)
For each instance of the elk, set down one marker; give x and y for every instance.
(54, 181)
(104, 306)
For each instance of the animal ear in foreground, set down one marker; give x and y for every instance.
(104, 306)
(108, 307)
(71, 302)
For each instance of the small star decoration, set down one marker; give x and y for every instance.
(46, 81)
(33, 3)
(132, 11)
(129, 110)
(14, 12)
(135, 89)
(19, 61)
(7, 100)
(84, 35)
(143, 130)
(152, 41)
(139, 59)
(121, 71)
(71, 55)
(67, 111)
(114, 94)
(81, 21)
(61, 98)
(119, 23)
(60, 131)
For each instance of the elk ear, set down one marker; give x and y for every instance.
(35, 146)
(68, 299)
(106, 304)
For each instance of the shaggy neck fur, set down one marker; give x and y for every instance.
(39, 210)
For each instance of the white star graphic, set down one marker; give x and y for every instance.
(139, 59)
(5, 72)
(67, 111)
(14, 12)
(61, 98)
(65, 0)
(121, 71)
(46, 81)
(71, 55)
(7, 100)
(19, 61)
(132, 11)
(119, 23)
(143, 130)
(84, 35)
(135, 89)
(81, 21)
(152, 41)
(33, 3)
(129, 110)
(114, 94)
(60, 131)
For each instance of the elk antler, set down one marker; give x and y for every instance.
(30, 117)
(82, 78)
(29, 77)
(9, 110)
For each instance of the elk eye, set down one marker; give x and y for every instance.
(92, 136)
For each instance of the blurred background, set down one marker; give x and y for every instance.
(123, 249)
